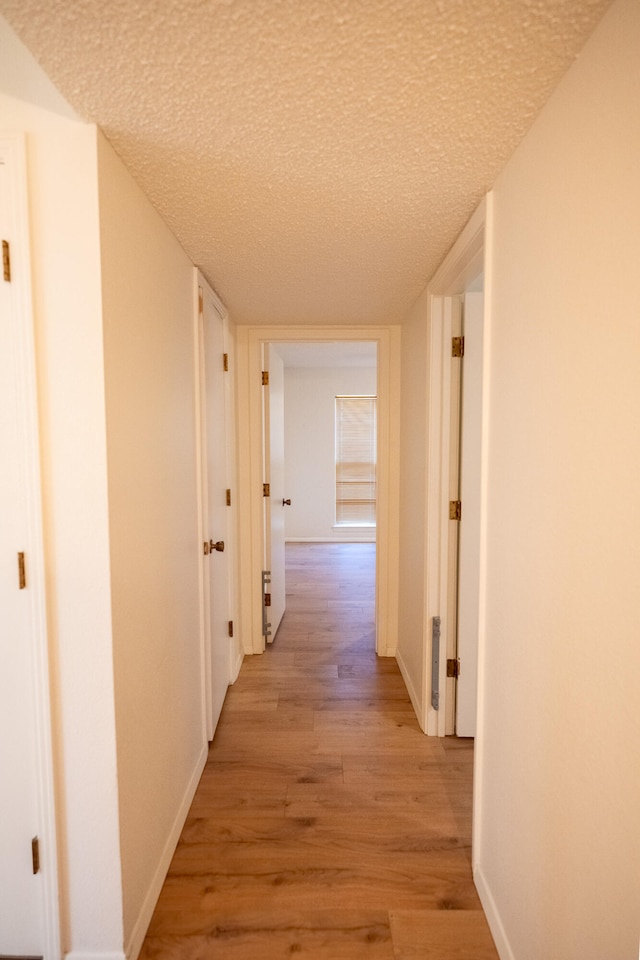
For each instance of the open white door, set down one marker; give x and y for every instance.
(273, 400)
(469, 533)
(20, 907)
(216, 501)
(28, 897)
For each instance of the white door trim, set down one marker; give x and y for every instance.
(202, 288)
(274, 520)
(467, 259)
(13, 154)
(469, 462)
(249, 340)
(202, 505)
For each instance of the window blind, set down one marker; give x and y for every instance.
(355, 460)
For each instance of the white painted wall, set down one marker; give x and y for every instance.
(558, 829)
(309, 417)
(148, 308)
(63, 199)
(114, 321)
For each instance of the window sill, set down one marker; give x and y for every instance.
(348, 526)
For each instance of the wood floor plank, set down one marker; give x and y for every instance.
(325, 825)
(188, 904)
(276, 934)
(441, 935)
(373, 706)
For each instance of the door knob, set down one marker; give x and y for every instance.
(219, 546)
(286, 503)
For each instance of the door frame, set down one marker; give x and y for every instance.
(471, 408)
(273, 617)
(249, 340)
(467, 259)
(13, 153)
(235, 657)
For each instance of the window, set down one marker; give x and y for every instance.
(356, 460)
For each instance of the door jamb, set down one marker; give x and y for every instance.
(201, 288)
(466, 260)
(251, 533)
(202, 505)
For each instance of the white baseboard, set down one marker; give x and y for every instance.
(85, 955)
(493, 917)
(411, 690)
(346, 539)
(236, 665)
(138, 934)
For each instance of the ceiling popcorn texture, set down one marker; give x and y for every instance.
(316, 158)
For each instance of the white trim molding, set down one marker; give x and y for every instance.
(84, 955)
(493, 917)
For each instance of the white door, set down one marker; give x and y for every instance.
(20, 922)
(216, 503)
(469, 532)
(22, 919)
(275, 502)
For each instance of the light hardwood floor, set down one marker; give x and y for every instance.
(326, 825)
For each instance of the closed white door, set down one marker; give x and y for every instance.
(216, 505)
(469, 532)
(274, 503)
(21, 913)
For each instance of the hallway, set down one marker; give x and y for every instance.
(326, 825)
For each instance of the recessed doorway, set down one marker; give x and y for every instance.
(250, 347)
(320, 453)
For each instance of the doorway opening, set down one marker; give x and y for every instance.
(467, 268)
(319, 451)
(467, 265)
(250, 344)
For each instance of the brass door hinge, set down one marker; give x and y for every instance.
(455, 510)
(230, 628)
(22, 572)
(267, 599)
(457, 346)
(228, 497)
(265, 378)
(6, 261)
(35, 855)
(225, 362)
(453, 668)
(266, 489)
(200, 300)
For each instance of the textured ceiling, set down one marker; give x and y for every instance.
(316, 158)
